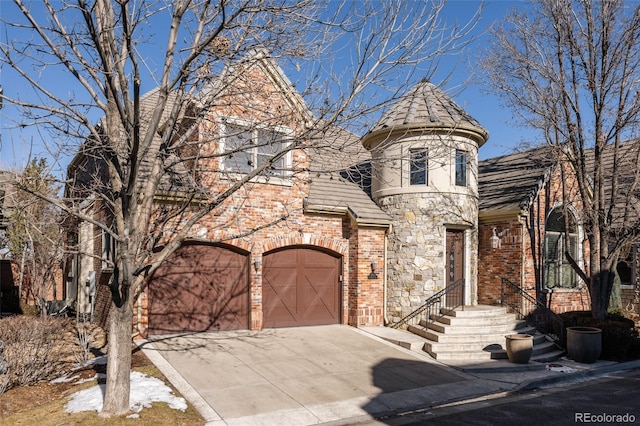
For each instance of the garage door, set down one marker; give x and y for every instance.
(200, 288)
(300, 286)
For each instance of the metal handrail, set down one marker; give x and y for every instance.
(434, 304)
(532, 310)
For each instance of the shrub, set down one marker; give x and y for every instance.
(36, 349)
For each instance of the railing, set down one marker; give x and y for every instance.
(448, 298)
(532, 310)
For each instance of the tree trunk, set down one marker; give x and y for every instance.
(116, 398)
(601, 292)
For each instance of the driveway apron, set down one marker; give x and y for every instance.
(297, 376)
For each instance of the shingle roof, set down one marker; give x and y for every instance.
(334, 194)
(426, 106)
(340, 180)
(512, 181)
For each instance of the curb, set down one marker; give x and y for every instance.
(577, 376)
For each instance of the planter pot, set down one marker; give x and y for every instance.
(584, 344)
(519, 348)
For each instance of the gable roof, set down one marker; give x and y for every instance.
(510, 183)
(427, 108)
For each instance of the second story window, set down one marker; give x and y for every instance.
(249, 147)
(418, 167)
(461, 168)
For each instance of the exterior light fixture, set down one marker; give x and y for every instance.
(257, 263)
(374, 269)
(496, 238)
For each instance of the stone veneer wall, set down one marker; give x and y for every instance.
(416, 246)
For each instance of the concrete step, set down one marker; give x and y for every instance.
(471, 321)
(478, 311)
(505, 328)
(548, 356)
(436, 336)
(472, 356)
(478, 333)
(543, 347)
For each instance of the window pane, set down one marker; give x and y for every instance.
(552, 245)
(271, 143)
(461, 168)
(238, 143)
(418, 167)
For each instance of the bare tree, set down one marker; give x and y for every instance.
(571, 69)
(190, 57)
(34, 234)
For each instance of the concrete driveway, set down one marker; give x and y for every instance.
(305, 375)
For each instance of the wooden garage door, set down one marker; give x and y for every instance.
(200, 288)
(300, 286)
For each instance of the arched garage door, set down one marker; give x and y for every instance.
(300, 286)
(200, 288)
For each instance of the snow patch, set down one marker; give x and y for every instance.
(560, 368)
(144, 391)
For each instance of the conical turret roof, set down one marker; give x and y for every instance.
(427, 107)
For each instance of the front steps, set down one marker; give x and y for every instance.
(477, 333)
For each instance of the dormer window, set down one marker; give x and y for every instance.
(247, 147)
(418, 167)
(461, 168)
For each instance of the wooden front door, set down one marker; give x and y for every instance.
(455, 266)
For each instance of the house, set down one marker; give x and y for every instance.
(522, 207)
(318, 241)
(321, 259)
(529, 215)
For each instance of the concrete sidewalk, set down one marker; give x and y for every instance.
(324, 374)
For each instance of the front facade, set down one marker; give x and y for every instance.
(425, 152)
(304, 246)
(286, 249)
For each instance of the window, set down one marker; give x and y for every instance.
(108, 250)
(560, 239)
(461, 168)
(249, 147)
(418, 167)
(625, 267)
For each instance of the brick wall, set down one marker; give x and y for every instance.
(520, 257)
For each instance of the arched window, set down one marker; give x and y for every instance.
(560, 238)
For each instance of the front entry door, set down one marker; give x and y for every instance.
(455, 266)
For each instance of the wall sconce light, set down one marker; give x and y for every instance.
(496, 238)
(374, 269)
(257, 264)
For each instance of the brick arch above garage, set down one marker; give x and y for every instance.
(301, 239)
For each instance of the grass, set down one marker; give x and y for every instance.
(43, 403)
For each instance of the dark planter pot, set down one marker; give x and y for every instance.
(519, 348)
(584, 344)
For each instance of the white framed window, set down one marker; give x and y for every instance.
(247, 146)
(461, 168)
(418, 167)
(560, 238)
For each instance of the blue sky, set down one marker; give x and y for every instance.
(18, 144)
